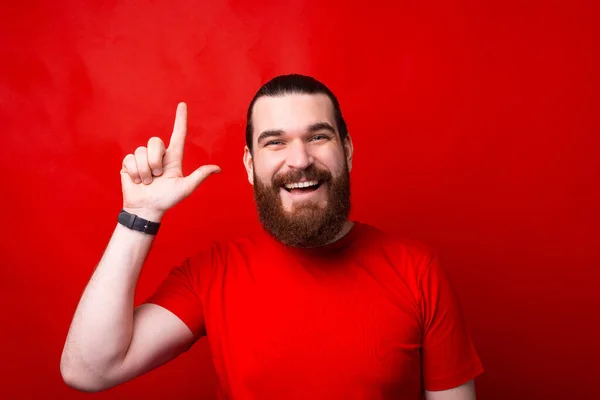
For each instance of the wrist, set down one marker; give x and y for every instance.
(150, 215)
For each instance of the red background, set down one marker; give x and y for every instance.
(475, 128)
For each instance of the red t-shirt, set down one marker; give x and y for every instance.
(370, 316)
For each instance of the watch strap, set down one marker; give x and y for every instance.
(136, 223)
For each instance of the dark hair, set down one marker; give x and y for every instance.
(295, 84)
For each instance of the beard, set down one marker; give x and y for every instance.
(308, 224)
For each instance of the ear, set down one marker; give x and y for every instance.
(348, 151)
(249, 164)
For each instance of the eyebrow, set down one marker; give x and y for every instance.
(267, 134)
(319, 126)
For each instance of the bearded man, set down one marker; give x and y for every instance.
(313, 306)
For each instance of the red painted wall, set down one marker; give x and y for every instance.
(475, 127)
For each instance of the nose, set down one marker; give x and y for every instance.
(298, 157)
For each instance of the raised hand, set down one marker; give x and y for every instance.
(152, 179)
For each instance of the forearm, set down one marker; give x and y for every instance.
(103, 322)
(97, 351)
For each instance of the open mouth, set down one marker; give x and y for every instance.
(302, 187)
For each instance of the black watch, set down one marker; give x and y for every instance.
(136, 223)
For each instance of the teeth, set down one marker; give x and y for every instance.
(301, 185)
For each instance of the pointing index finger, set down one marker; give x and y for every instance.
(179, 129)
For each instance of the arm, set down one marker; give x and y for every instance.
(109, 342)
(449, 358)
(462, 392)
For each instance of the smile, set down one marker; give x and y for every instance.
(302, 189)
(306, 186)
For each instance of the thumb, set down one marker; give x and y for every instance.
(193, 180)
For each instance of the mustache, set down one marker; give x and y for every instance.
(310, 174)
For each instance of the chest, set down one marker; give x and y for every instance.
(339, 327)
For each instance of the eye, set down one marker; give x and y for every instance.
(318, 137)
(273, 142)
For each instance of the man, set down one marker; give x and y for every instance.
(315, 306)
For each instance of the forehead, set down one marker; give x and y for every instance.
(293, 112)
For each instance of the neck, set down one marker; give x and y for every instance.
(345, 229)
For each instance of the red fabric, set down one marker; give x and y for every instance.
(371, 316)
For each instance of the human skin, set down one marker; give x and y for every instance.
(297, 146)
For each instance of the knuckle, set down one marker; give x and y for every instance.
(133, 173)
(131, 168)
(154, 165)
(140, 150)
(154, 140)
(130, 162)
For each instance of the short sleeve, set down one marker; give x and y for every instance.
(448, 355)
(180, 293)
